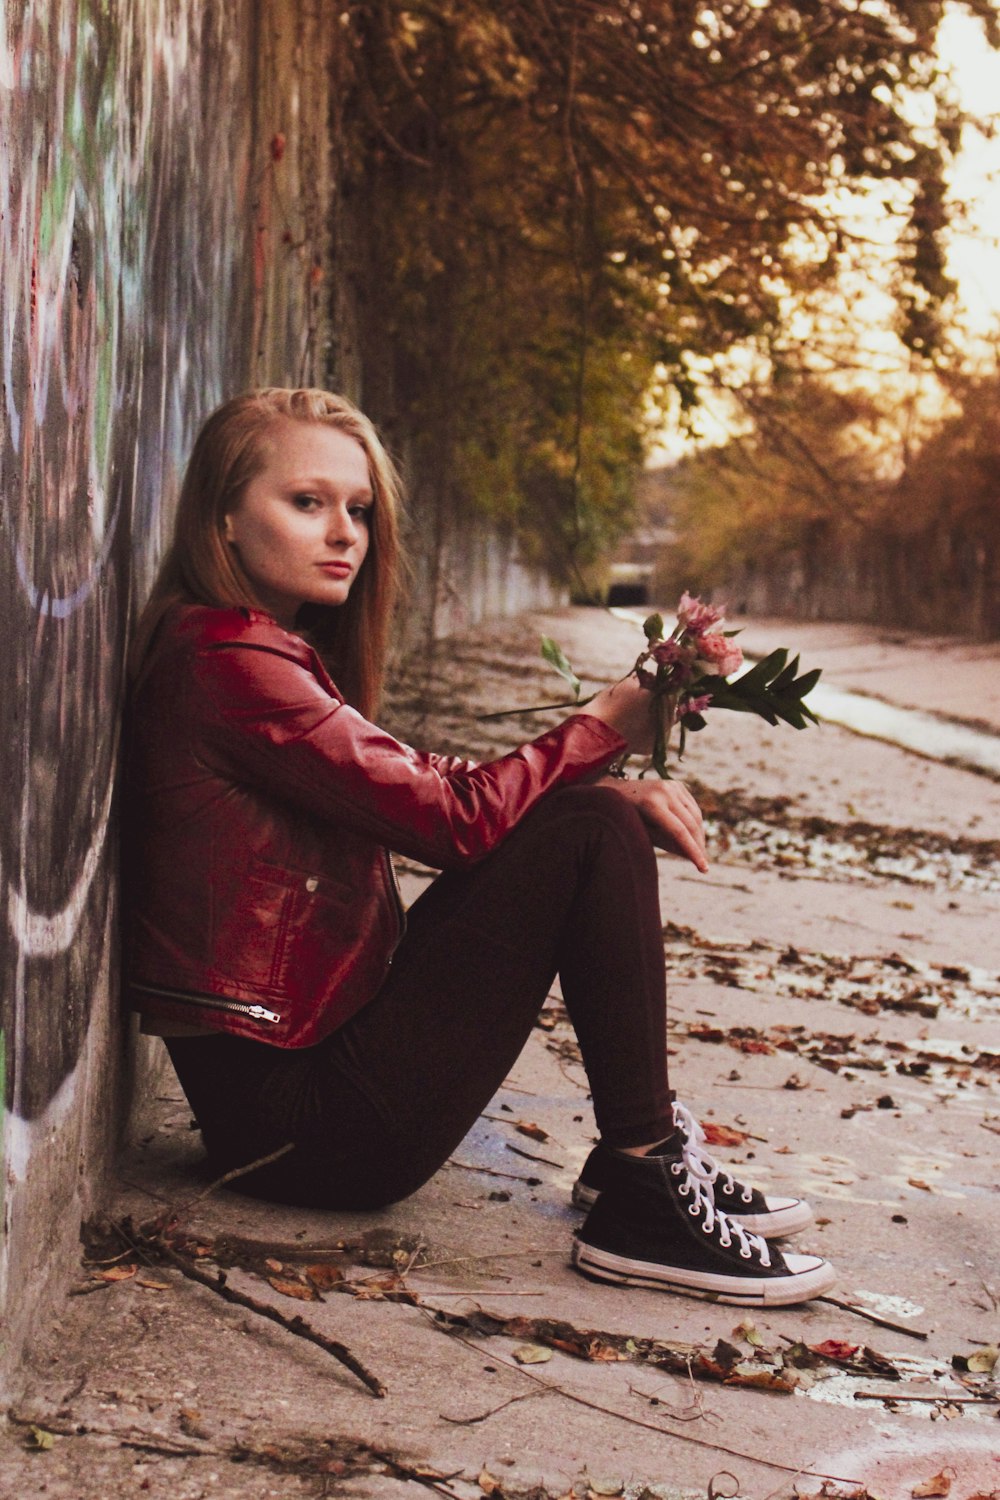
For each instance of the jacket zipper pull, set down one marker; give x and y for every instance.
(261, 1013)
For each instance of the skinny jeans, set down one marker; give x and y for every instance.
(376, 1108)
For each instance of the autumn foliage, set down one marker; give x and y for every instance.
(553, 208)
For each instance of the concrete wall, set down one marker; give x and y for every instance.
(164, 188)
(941, 580)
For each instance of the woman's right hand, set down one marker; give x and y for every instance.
(627, 708)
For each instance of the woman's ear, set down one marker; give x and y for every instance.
(227, 528)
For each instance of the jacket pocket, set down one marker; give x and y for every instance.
(249, 927)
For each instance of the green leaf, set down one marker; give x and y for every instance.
(556, 657)
(653, 628)
(771, 689)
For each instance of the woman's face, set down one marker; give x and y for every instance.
(301, 526)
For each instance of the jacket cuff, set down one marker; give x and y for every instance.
(608, 743)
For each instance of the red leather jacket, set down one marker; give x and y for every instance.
(259, 808)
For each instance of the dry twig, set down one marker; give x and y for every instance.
(862, 1312)
(155, 1244)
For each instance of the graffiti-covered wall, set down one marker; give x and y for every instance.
(163, 194)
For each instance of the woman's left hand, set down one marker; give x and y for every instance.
(671, 814)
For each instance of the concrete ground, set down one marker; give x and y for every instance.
(834, 1009)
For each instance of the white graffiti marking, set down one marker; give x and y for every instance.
(43, 934)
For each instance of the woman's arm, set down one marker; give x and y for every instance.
(262, 718)
(668, 809)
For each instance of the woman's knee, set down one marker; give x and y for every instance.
(603, 807)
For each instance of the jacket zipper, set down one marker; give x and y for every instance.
(397, 898)
(211, 1002)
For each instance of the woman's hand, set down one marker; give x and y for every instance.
(670, 813)
(627, 708)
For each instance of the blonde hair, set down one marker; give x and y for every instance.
(201, 568)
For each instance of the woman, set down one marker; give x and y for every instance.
(266, 940)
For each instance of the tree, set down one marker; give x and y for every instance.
(553, 208)
(851, 505)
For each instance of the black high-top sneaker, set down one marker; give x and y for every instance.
(761, 1213)
(658, 1226)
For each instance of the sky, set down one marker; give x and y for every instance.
(974, 241)
(975, 250)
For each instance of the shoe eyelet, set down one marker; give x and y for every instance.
(747, 1196)
(746, 1254)
(706, 1227)
(693, 1210)
(676, 1168)
(684, 1190)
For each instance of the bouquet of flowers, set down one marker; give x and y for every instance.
(690, 670)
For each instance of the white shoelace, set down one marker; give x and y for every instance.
(697, 1159)
(700, 1172)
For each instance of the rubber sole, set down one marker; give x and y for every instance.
(792, 1217)
(811, 1280)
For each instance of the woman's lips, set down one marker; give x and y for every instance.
(337, 569)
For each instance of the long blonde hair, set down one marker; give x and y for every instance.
(200, 568)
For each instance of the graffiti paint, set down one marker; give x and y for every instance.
(145, 273)
(122, 185)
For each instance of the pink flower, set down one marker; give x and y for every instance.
(717, 656)
(671, 653)
(695, 705)
(696, 616)
(678, 658)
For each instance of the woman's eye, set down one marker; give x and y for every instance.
(362, 513)
(305, 502)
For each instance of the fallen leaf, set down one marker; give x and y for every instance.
(191, 1423)
(879, 1364)
(323, 1276)
(293, 1289)
(983, 1362)
(274, 1265)
(487, 1483)
(530, 1129)
(748, 1331)
(39, 1438)
(725, 1355)
(601, 1353)
(793, 1081)
(938, 1484)
(918, 1182)
(605, 1486)
(835, 1349)
(151, 1284)
(723, 1135)
(116, 1273)
(531, 1354)
(754, 1377)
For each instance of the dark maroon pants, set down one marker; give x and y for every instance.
(375, 1109)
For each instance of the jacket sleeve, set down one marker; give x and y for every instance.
(265, 720)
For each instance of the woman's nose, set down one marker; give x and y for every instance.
(341, 526)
